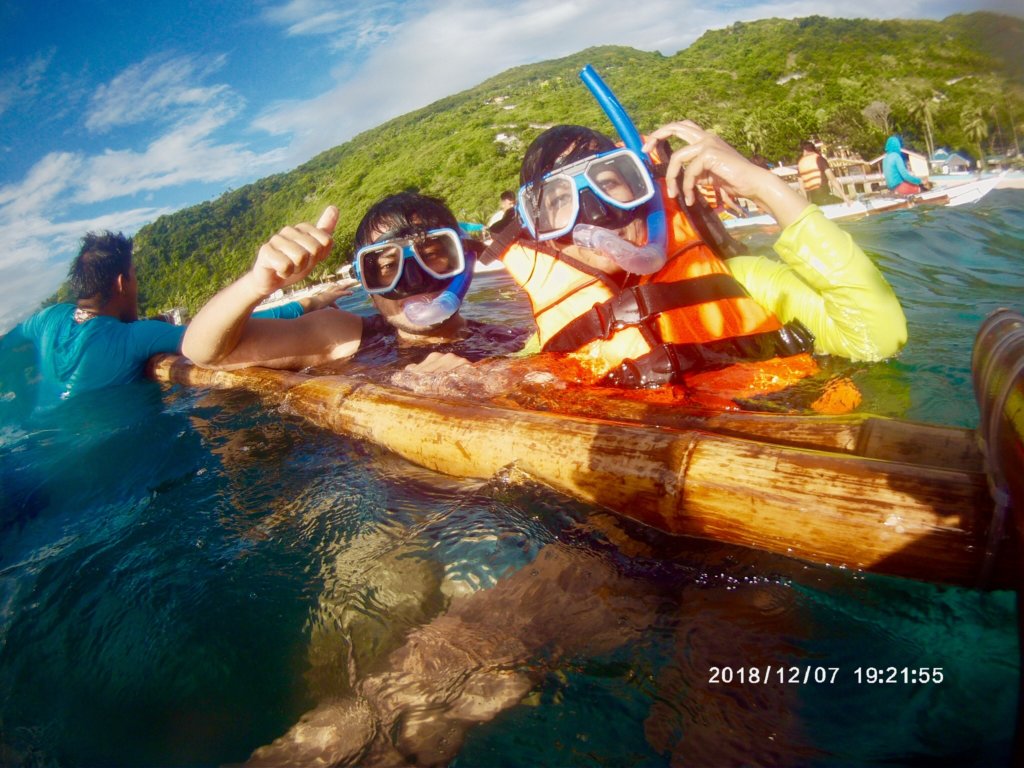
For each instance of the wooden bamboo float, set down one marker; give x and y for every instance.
(889, 517)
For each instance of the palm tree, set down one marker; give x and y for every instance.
(754, 132)
(975, 128)
(923, 110)
(1013, 128)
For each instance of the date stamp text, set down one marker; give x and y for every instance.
(779, 674)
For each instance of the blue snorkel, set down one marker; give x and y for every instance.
(428, 313)
(651, 257)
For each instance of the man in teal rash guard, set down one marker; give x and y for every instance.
(99, 341)
(897, 178)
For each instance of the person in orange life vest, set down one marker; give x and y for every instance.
(817, 180)
(721, 206)
(824, 279)
(688, 315)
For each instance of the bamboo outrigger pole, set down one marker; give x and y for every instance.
(890, 517)
(873, 437)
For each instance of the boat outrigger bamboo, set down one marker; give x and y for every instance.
(868, 493)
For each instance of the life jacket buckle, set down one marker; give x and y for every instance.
(622, 310)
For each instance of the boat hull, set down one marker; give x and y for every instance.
(951, 196)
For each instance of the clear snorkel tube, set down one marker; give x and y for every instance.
(651, 257)
(428, 313)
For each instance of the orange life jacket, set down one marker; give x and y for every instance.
(810, 173)
(689, 317)
(711, 196)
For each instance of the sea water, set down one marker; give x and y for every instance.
(184, 573)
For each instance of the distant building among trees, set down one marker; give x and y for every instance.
(945, 162)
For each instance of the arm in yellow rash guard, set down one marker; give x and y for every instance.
(828, 284)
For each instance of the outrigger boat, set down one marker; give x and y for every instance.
(952, 195)
(860, 492)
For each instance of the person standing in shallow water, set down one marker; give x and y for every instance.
(504, 215)
(99, 340)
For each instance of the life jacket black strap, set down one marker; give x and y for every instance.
(669, 363)
(502, 241)
(633, 306)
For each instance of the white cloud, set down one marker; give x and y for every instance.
(64, 236)
(23, 82)
(157, 89)
(455, 44)
(45, 185)
(30, 286)
(356, 25)
(188, 153)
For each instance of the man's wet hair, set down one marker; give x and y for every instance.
(559, 146)
(508, 196)
(102, 257)
(402, 215)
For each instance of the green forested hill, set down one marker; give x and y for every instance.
(764, 86)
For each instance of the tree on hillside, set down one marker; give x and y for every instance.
(878, 113)
(922, 108)
(1014, 129)
(975, 128)
(755, 132)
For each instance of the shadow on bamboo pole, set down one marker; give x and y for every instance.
(865, 435)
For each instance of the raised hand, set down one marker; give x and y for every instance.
(291, 254)
(707, 159)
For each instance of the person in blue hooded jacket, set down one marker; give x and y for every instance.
(897, 178)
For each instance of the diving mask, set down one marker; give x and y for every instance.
(398, 267)
(600, 187)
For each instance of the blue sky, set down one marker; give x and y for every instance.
(114, 112)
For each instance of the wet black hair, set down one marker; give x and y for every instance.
(508, 195)
(102, 257)
(559, 146)
(402, 215)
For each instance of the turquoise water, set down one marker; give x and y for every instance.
(183, 574)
